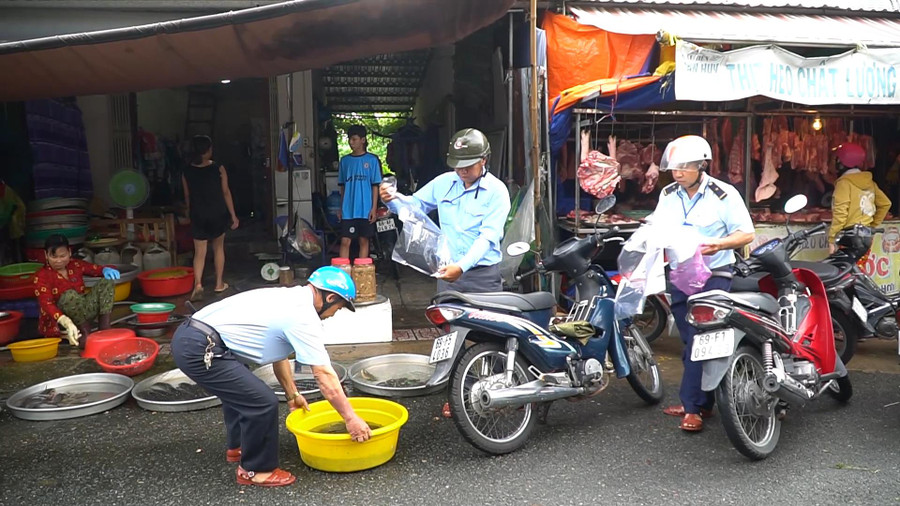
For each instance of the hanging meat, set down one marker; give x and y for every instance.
(598, 174)
(629, 161)
(650, 154)
(585, 145)
(727, 136)
(736, 158)
(650, 178)
(755, 147)
(715, 167)
(769, 175)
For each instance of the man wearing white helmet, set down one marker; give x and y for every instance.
(716, 211)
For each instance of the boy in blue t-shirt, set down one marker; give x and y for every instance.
(359, 178)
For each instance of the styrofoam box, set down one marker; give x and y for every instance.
(369, 324)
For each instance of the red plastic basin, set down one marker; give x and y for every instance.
(120, 350)
(9, 326)
(167, 282)
(153, 317)
(99, 339)
(25, 291)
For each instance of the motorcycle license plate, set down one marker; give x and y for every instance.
(712, 345)
(385, 225)
(859, 310)
(443, 347)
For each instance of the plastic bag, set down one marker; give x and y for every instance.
(642, 261)
(305, 242)
(520, 229)
(421, 244)
(691, 275)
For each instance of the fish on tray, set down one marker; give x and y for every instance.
(50, 398)
(166, 392)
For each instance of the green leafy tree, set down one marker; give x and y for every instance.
(379, 127)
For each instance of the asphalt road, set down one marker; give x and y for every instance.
(609, 450)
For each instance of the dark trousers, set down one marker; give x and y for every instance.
(477, 279)
(692, 396)
(249, 405)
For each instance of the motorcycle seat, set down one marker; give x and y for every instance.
(826, 272)
(747, 284)
(503, 301)
(755, 300)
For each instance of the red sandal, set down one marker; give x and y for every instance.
(679, 411)
(233, 455)
(691, 423)
(278, 478)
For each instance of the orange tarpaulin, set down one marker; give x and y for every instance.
(579, 54)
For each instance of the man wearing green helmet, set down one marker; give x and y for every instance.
(266, 326)
(472, 206)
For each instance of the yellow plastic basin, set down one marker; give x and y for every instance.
(122, 291)
(337, 452)
(35, 350)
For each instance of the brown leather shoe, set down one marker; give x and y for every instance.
(278, 478)
(233, 455)
(679, 411)
(691, 423)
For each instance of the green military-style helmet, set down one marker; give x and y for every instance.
(467, 147)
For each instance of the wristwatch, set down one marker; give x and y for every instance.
(289, 398)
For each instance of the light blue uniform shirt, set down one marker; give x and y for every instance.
(716, 211)
(268, 324)
(472, 219)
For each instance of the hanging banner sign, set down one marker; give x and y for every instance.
(865, 76)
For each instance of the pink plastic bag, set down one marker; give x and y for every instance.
(691, 275)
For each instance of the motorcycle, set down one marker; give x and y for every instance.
(858, 306)
(767, 350)
(874, 313)
(519, 364)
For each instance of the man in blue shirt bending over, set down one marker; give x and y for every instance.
(358, 177)
(472, 206)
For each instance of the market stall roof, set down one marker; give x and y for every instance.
(848, 5)
(743, 26)
(258, 42)
(380, 83)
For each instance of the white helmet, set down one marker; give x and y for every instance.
(685, 151)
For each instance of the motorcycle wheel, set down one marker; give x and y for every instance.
(846, 335)
(748, 412)
(644, 377)
(841, 390)
(652, 321)
(493, 431)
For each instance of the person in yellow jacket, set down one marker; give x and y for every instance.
(857, 199)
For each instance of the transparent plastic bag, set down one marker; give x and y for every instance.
(691, 275)
(520, 229)
(643, 258)
(421, 244)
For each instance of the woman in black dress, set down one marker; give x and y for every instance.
(206, 186)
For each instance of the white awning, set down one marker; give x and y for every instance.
(745, 27)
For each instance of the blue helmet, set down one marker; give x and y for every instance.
(335, 280)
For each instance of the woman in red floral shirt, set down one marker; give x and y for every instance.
(59, 288)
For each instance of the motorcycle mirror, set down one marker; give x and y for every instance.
(518, 248)
(605, 204)
(795, 203)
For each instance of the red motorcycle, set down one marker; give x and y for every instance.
(766, 351)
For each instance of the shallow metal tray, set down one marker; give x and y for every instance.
(116, 384)
(367, 373)
(303, 377)
(173, 377)
(127, 272)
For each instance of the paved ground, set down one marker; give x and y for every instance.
(609, 450)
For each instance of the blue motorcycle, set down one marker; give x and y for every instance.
(519, 361)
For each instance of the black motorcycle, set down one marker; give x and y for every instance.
(867, 311)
